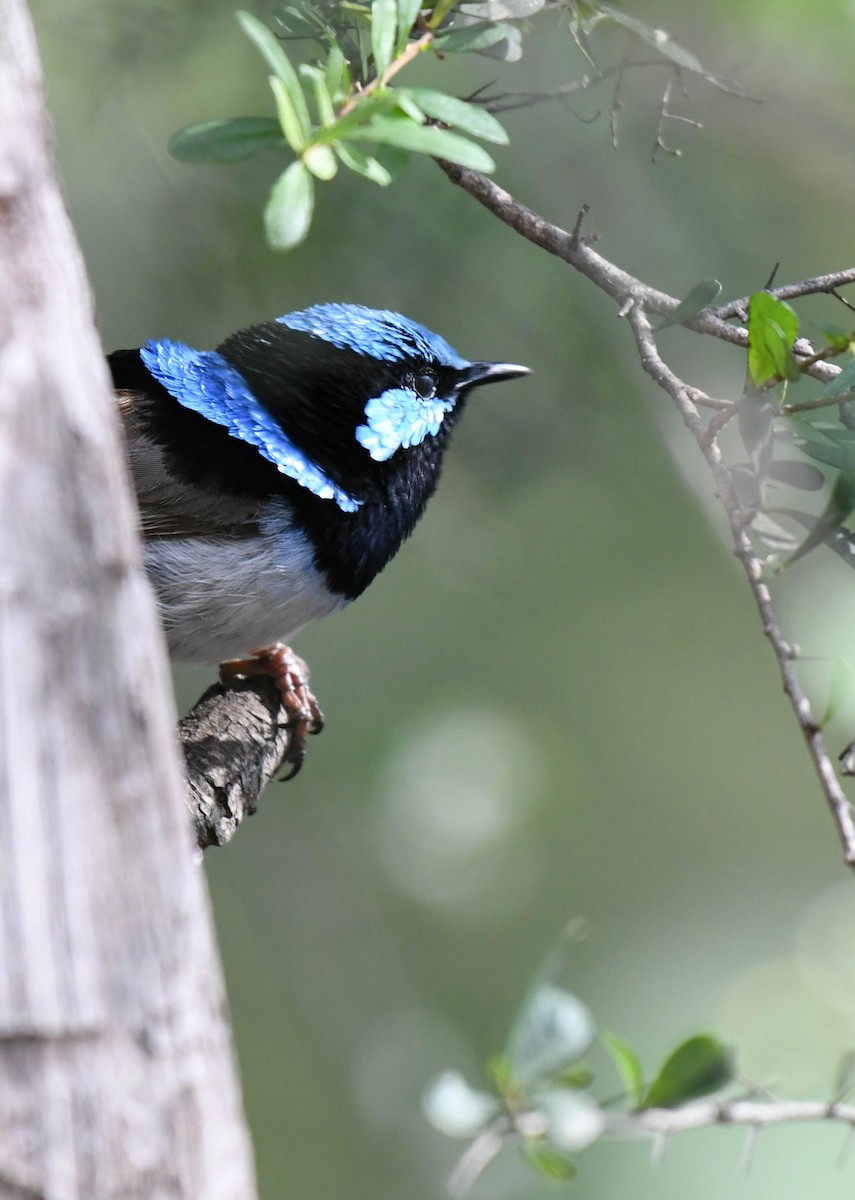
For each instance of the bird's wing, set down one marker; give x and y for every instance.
(168, 507)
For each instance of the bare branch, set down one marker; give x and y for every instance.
(756, 1114)
(235, 740)
(636, 299)
(657, 369)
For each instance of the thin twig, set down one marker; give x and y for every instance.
(756, 1114)
(790, 291)
(411, 51)
(576, 250)
(657, 369)
(636, 299)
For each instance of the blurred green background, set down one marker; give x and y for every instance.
(557, 702)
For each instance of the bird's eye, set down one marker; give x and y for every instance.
(424, 385)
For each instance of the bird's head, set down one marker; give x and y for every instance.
(337, 396)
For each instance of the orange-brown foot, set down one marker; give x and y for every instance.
(291, 676)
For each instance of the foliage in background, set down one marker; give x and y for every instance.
(342, 97)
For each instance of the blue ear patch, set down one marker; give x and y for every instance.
(399, 418)
(202, 380)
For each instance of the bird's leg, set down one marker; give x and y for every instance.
(291, 676)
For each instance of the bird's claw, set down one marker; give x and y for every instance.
(291, 676)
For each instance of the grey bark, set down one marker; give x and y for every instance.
(117, 1076)
(234, 741)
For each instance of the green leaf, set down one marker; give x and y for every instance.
(226, 141)
(700, 1065)
(838, 339)
(405, 104)
(552, 1031)
(366, 107)
(841, 689)
(844, 382)
(503, 10)
(300, 20)
(772, 330)
(424, 139)
(792, 472)
(695, 301)
(469, 118)
(408, 11)
(547, 1161)
(289, 122)
(384, 28)
(266, 41)
(323, 99)
(321, 161)
(756, 417)
(392, 159)
(509, 49)
(577, 1077)
(628, 1065)
(336, 75)
(840, 504)
(477, 36)
(657, 38)
(363, 164)
(288, 213)
(832, 446)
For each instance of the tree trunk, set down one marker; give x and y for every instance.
(117, 1076)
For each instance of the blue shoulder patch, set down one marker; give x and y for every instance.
(387, 336)
(203, 381)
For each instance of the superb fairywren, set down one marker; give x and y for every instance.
(279, 473)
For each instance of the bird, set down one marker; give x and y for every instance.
(278, 474)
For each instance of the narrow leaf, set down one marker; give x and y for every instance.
(840, 691)
(336, 74)
(477, 36)
(226, 141)
(424, 139)
(553, 1030)
(289, 122)
(408, 11)
(658, 38)
(695, 301)
(363, 164)
(469, 118)
(323, 99)
(299, 20)
(280, 64)
(844, 382)
(384, 28)
(288, 213)
(628, 1065)
(792, 472)
(503, 10)
(547, 1161)
(840, 504)
(700, 1065)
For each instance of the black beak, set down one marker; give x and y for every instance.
(489, 372)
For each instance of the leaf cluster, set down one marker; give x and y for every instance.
(327, 110)
(541, 1095)
(338, 107)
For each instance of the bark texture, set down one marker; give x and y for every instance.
(234, 741)
(117, 1076)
